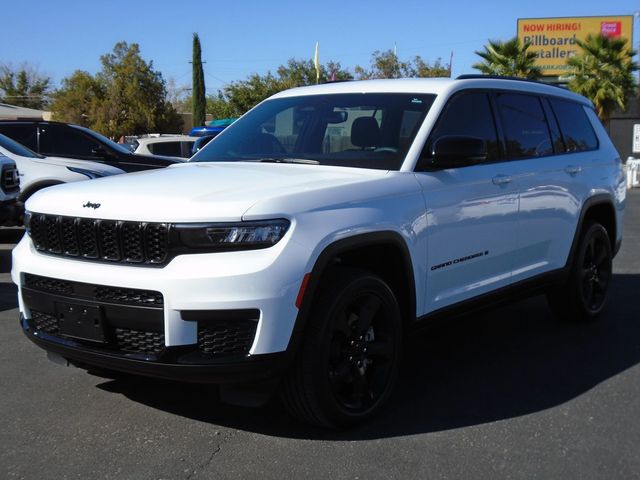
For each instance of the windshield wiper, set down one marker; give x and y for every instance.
(302, 161)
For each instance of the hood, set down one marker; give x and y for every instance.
(82, 164)
(194, 192)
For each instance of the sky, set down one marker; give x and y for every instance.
(241, 37)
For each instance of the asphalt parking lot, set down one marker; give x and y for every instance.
(506, 394)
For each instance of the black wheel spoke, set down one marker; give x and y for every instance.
(367, 312)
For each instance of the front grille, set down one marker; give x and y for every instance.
(108, 241)
(227, 338)
(101, 293)
(10, 181)
(140, 342)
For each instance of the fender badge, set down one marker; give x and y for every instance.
(91, 205)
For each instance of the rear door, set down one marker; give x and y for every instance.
(471, 210)
(548, 169)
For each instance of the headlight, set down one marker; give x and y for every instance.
(88, 173)
(27, 222)
(231, 236)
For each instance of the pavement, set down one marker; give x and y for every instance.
(506, 394)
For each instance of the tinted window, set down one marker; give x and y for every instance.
(469, 115)
(525, 126)
(59, 140)
(17, 148)
(165, 148)
(576, 129)
(24, 134)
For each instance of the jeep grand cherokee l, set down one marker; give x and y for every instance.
(298, 250)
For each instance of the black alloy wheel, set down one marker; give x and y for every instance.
(596, 272)
(348, 361)
(585, 293)
(361, 353)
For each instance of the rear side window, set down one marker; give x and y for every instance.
(525, 126)
(468, 115)
(24, 134)
(166, 148)
(576, 129)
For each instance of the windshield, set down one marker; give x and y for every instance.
(103, 139)
(366, 130)
(17, 148)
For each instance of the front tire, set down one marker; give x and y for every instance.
(584, 295)
(348, 361)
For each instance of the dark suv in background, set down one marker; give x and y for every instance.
(67, 140)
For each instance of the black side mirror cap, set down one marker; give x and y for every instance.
(453, 151)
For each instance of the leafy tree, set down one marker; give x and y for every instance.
(127, 96)
(386, 64)
(198, 92)
(245, 94)
(603, 72)
(79, 99)
(24, 87)
(510, 58)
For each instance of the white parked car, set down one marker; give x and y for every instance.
(302, 247)
(179, 146)
(37, 171)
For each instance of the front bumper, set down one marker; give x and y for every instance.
(174, 363)
(266, 281)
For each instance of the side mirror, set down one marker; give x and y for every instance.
(456, 151)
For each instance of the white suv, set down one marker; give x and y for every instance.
(298, 250)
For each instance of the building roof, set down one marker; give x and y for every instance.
(13, 112)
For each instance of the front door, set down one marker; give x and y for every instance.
(471, 210)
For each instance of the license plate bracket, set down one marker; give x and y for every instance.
(84, 322)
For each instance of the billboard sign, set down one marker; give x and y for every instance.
(554, 39)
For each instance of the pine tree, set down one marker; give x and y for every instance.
(198, 94)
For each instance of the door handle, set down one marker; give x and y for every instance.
(572, 170)
(501, 179)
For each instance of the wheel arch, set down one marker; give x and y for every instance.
(599, 207)
(395, 267)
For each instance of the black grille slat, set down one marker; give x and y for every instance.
(132, 242)
(102, 240)
(69, 238)
(88, 238)
(227, 338)
(109, 240)
(52, 232)
(156, 242)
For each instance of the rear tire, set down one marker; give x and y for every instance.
(584, 295)
(347, 364)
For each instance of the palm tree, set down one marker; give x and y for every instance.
(603, 72)
(511, 58)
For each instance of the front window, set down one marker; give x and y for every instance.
(366, 130)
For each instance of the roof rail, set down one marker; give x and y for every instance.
(475, 76)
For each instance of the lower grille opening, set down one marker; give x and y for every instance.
(224, 332)
(119, 339)
(227, 338)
